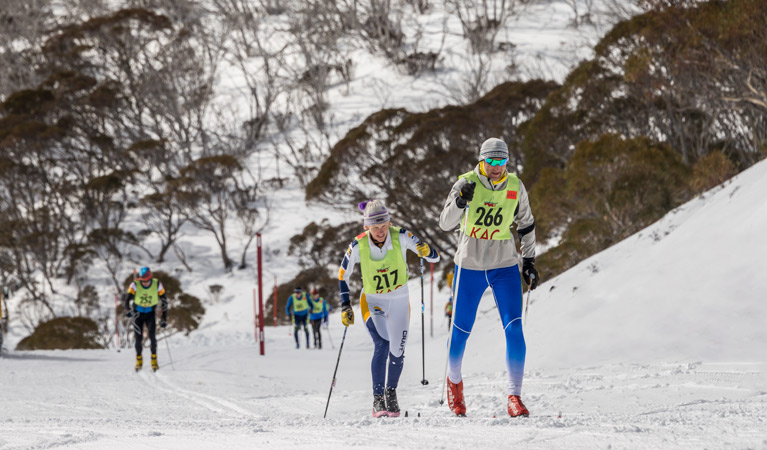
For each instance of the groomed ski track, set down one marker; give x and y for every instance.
(234, 398)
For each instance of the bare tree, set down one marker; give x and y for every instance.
(316, 29)
(210, 182)
(583, 11)
(24, 27)
(163, 213)
(481, 21)
(252, 213)
(474, 82)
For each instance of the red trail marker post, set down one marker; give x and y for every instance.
(260, 296)
(117, 323)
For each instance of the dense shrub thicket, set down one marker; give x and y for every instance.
(610, 189)
(694, 78)
(63, 333)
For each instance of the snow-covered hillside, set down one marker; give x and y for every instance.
(657, 342)
(691, 286)
(539, 41)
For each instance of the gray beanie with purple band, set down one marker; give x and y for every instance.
(493, 148)
(375, 212)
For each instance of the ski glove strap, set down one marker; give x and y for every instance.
(423, 249)
(347, 315)
(467, 193)
(529, 274)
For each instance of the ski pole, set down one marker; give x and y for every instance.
(170, 358)
(330, 336)
(527, 301)
(424, 381)
(335, 372)
(455, 311)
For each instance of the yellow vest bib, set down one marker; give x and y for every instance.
(146, 297)
(300, 305)
(317, 305)
(386, 275)
(491, 213)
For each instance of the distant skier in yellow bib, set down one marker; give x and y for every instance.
(144, 294)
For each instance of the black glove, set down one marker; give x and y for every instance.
(467, 193)
(164, 320)
(529, 273)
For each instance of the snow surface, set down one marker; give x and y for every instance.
(658, 342)
(662, 345)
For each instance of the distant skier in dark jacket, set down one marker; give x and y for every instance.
(141, 300)
(297, 308)
(318, 315)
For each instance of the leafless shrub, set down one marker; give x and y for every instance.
(273, 7)
(383, 27)
(322, 72)
(419, 5)
(583, 11)
(250, 46)
(215, 291)
(419, 62)
(481, 20)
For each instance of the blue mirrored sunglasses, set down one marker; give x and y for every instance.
(496, 162)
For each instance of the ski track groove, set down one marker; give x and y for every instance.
(65, 440)
(206, 401)
(221, 401)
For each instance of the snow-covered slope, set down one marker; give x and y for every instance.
(690, 287)
(662, 345)
(657, 342)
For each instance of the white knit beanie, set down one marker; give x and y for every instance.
(493, 148)
(375, 212)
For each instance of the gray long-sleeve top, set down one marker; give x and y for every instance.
(485, 254)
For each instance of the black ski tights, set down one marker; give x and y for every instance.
(138, 329)
(316, 323)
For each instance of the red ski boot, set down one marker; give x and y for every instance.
(455, 398)
(516, 407)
